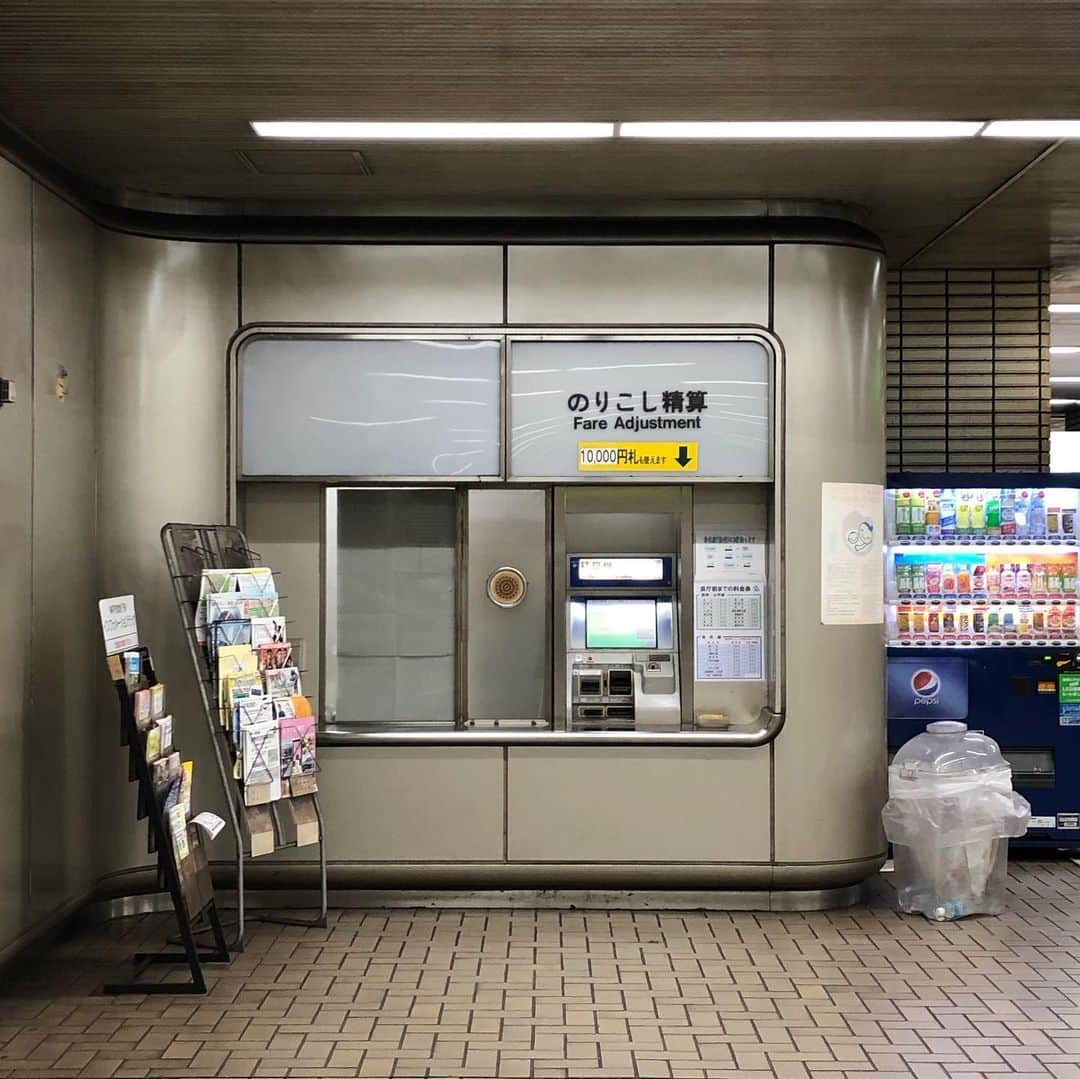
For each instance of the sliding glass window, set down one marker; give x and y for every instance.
(391, 617)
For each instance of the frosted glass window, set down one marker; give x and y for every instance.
(393, 601)
(333, 407)
(713, 396)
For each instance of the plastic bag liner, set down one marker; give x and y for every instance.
(950, 835)
(951, 810)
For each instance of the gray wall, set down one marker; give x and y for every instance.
(49, 641)
(166, 311)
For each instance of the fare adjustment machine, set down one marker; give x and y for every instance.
(622, 660)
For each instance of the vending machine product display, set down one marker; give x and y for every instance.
(981, 622)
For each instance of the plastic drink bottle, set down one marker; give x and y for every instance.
(1053, 579)
(1008, 511)
(1021, 511)
(993, 514)
(1068, 578)
(963, 514)
(1053, 520)
(947, 505)
(1037, 516)
(948, 579)
(903, 513)
(932, 517)
(963, 581)
(1038, 579)
(1024, 624)
(918, 513)
(1008, 580)
(1068, 522)
(933, 579)
(903, 578)
(993, 581)
(978, 578)
(978, 514)
(1023, 580)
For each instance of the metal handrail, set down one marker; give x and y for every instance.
(769, 726)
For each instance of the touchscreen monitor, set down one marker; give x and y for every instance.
(620, 623)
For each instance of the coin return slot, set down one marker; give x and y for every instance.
(620, 684)
(620, 711)
(591, 711)
(589, 685)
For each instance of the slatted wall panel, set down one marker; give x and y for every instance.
(968, 370)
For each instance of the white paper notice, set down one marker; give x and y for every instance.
(720, 657)
(729, 605)
(729, 555)
(210, 823)
(852, 572)
(118, 624)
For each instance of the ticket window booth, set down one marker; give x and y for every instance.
(571, 536)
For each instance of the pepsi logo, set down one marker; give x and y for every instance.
(925, 683)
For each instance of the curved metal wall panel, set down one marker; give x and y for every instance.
(635, 285)
(166, 312)
(830, 758)
(379, 283)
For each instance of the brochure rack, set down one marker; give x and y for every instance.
(190, 549)
(187, 881)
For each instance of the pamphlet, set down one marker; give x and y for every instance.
(260, 756)
(283, 683)
(297, 746)
(118, 624)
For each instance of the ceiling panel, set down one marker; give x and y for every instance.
(151, 97)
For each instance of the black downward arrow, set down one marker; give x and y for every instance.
(683, 457)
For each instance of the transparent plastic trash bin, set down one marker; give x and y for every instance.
(950, 814)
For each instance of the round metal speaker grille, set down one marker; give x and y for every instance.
(507, 586)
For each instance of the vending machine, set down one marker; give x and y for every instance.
(981, 621)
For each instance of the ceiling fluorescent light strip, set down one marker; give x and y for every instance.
(1032, 129)
(1064, 308)
(724, 130)
(802, 129)
(1064, 350)
(478, 132)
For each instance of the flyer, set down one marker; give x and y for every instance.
(852, 570)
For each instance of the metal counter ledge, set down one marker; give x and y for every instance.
(768, 727)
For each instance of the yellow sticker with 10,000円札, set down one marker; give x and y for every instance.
(637, 456)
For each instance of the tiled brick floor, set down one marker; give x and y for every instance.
(562, 993)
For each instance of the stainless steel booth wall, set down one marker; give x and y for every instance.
(636, 815)
(49, 641)
(830, 314)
